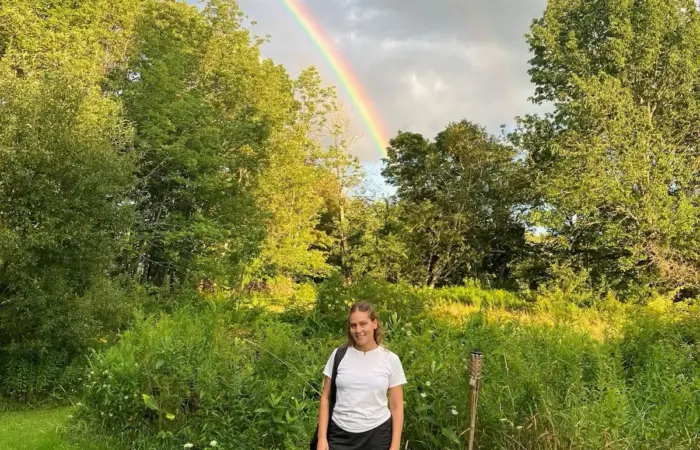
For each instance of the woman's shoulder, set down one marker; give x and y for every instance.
(335, 350)
(342, 348)
(389, 354)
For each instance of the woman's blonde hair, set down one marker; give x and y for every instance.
(368, 308)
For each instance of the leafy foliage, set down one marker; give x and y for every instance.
(556, 376)
(460, 197)
(617, 160)
(65, 172)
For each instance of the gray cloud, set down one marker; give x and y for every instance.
(424, 63)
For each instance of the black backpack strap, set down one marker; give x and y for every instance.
(339, 355)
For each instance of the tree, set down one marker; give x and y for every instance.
(343, 176)
(209, 115)
(459, 196)
(376, 247)
(617, 162)
(66, 169)
(290, 190)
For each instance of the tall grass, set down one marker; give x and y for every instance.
(556, 376)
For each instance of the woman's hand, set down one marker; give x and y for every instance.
(322, 444)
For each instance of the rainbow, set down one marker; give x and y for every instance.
(355, 92)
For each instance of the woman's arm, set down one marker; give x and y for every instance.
(396, 407)
(323, 415)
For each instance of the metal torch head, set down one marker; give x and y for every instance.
(475, 364)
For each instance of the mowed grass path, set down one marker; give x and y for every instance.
(39, 429)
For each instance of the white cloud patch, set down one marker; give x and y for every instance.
(424, 87)
(360, 14)
(423, 63)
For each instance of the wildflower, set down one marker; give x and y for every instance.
(188, 445)
(213, 444)
(423, 394)
(454, 411)
(102, 413)
(110, 415)
(126, 397)
(427, 383)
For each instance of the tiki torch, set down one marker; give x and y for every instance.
(475, 365)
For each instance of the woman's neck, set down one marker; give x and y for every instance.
(367, 348)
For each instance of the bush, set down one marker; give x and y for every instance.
(50, 362)
(194, 377)
(250, 380)
(334, 298)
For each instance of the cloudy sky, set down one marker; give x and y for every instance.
(423, 63)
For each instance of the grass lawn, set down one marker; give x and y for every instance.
(38, 429)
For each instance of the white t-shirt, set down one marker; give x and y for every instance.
(362, 383)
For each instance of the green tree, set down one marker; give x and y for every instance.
(343, 178)
(66, 169)
(376, 247)
(616, 163)
(290, 190)
(459, 200)
(209, 114)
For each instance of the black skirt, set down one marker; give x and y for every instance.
(375, 439)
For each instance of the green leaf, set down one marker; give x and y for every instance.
(150, 403)
(451, 435)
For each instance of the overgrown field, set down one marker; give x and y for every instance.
(246, 374)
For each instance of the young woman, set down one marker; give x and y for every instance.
(362, 418)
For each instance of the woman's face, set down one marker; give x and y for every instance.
(362, 328)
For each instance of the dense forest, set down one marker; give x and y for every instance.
(170, 199)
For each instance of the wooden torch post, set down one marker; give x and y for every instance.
(475, 365)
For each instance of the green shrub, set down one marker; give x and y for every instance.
(193, 377)
(473, 294)
(334, 298)
(547, 384)
(44, 356)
